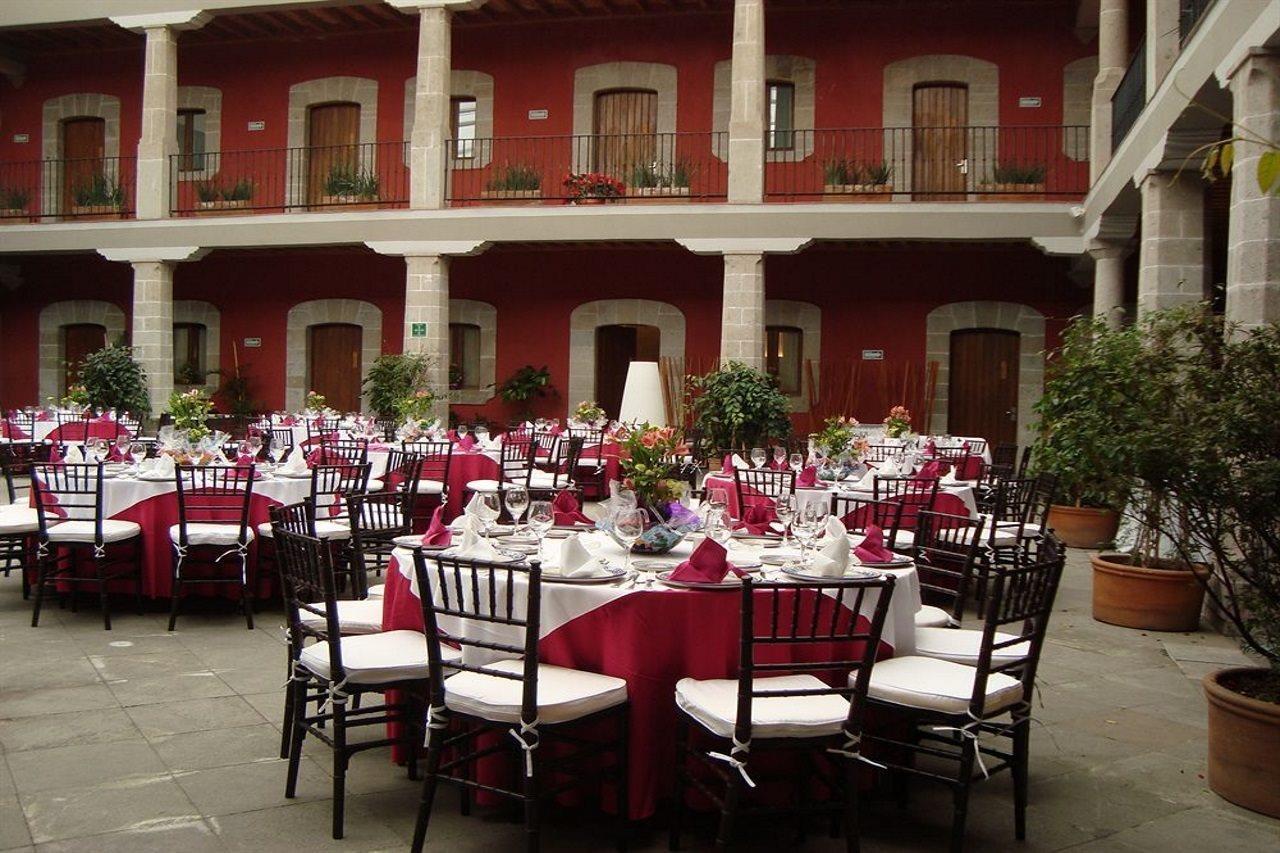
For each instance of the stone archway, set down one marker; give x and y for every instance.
(485, 316)
(366, 315)
(590, 79)
(609, 312)
(1023, 319)
(58, 314)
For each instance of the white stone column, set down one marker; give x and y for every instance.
(1163, 41)
(153, 328)
(1253, 234)
(426, 303)
(742, 311)
(1113, 50)
(1108, 283)
(747, 106)
(1171, 261)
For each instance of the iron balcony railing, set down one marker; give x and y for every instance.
(871, 164)
(1189, 14)
(1130, 97)
(363, 175)
(621, 168)
(68, 189)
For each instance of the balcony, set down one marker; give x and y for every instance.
(68, 189)
(1130, 97)
(867, 165)
(372, 175)
(670, 168)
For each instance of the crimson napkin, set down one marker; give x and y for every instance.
(726, 468)
(756, 519)
(871, 549)
(437, 533)
(929, 471)
(808, 477)
(116, 454)
(244, 460)
(931, 448)
(709, 563)
(565, 509)
(466, 442)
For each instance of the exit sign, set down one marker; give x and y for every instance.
(873, 355)
(417, 330)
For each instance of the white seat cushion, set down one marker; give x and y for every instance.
(938, 685)
(483, 485)
(547, 480)
(324, 529)
(210, 533)
(961, 646)
(377, 591)
(929, 616)
(83, 531)
(16, 519)
(379, 658)
(354, 617)
(563, 694)
(1002, 539)
(714, 703)
(374, 485)
(430, 487)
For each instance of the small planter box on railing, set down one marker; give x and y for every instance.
(860, 193)
(657, 195)
(13, 215)
(1012, 192)
(511, 198)
(348, 201)
(94, 212)
(222, 207)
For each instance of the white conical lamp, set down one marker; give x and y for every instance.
(642, 400)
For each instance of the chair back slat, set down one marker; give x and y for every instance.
(330, 486)
(761, 487)
(308, 586)
(214, 494)
(914, 495)
(67, 491)
(946, 550)
(346, 451)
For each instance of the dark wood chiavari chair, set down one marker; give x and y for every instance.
(878, 453)
(19, 522)
(858, 513)
(946, 549)
(761, 487)
(591, 469)
(785, 703)
(914, 495)
(1005, 453)
(213, 527)
(433, 479)
(319, 429)
(556, 472)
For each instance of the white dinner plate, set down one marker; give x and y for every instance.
(609, 574)
(503, 555)
(799, 573)
(415, 541)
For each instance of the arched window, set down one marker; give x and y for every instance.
(189, 363)
(464, 356)
(784, 356)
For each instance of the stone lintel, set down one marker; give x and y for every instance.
(191, 19)
(173, 254)
(745, 245)
(428, 247)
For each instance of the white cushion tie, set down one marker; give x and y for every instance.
(973, 729)
(527, 745)
(739, 748)
(852, 748)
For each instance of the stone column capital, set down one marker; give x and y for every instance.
(448, 5)
(745, 245)
(1106, 251)
(191, 19)
(157, 254)
(428, 248)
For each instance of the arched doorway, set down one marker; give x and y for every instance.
(83, 147)
(77, 340)
(983, 394)
(625, 128)
(333, 364)
(333, 156)
(616, 347)
(940, 149)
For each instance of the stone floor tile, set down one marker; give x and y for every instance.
(76, 727)
(305, 826)
(22, 673)
(128, 804)
(251, 787)
(164, 835)
(174, 661)
(82, 766)
(218, 747)
(200, 684)
(193, 715)
(13, 825)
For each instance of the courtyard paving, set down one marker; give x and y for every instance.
(142, 740)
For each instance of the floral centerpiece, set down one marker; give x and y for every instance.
(314, 403)
(588, 412)
(839, 436)
(190, 410)
(898, 423)
(592, 186)
(76, 398)
(417, 413)
(644, 455)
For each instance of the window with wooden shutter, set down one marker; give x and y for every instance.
(781, 101)
(462, 127)
(783, 357)
(191, 140)
(464, 355)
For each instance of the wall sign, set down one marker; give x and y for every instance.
(873, 355)
(1032, 101)
(252, 343)
(417, 330)
(22, 137)
(537, 115)
(257, 125)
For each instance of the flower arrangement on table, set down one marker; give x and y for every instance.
(76, 398)
(314, 402)
(898, 423)
(592, 185)
(644, 452)
(417, 414)
(191, 410)
(588, 412)
(839, 436)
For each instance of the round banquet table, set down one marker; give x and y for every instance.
(48, 430)
(954, 498)
(649, 636)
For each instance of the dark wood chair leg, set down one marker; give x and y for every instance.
(296, 727)
(851, 841)
(99, 566)
(729, 812)
(175, 593)
(532, 828)
(42, 572)
(286, 731)
(340, 761)
(428, 790)
(960, 796)
(624, 765)
(1021, 750)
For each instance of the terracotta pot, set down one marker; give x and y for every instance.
(1164, 599)
(1083, 526)
(1244, 746)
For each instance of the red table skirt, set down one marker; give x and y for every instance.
(651, 639)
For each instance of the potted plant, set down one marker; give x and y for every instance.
(347, 186)
(527, 384)
(738, 407)
(515, 184)
(101, 197)
(13, 204)
(112, 379)
(659, 183)
(849, 180)
(217, 200)
(592, 188)
(898, 422)
(1015, 182)
(392, 378)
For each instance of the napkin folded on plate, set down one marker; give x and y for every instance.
(708, 563)
(757, 519)
(244, 460)
(731, 461)
(573, 560)
(296, 463)
(888, 468)
(833, 557)
(931, 448)
(467, 442)
(437, 533)
(949, 478)
(73, 455)
(494, 442)
(930, 470)
(162, 469)
(116, 453)
(871, 549)
(808, 477)
(474, 545)
(868, 481)
(566, 510)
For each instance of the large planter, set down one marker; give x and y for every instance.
(1244, 746)
(1083, 526)
(1163, 599)
(12, 215)
(860, 193)
(95, 212)
(347, 201)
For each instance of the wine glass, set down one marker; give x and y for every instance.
(101, 450)
(488, 508)
(758, 457)
(277, 449)
(255, 444)
(482, 434)
(719, 527)
(542, 517)
(806, 529)
(785, 509)
(780, 457)
(517, 500)
(717, 500)
(627, 527)
(461, 431)
(137, 452)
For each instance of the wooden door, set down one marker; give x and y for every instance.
(616, 348)
(626, 131)
(333, 134)
(982, 397)
(939, 116)
(78, 340)
(83, 147)
(333, 354)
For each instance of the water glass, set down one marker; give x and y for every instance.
(488, 508)
(627, 527)
(717, 499)
(785, 509)
(758, 457)
(796, 462)
(779, 457)
(137, 452)
(517, 500)
(277, 450)
(542, 517)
